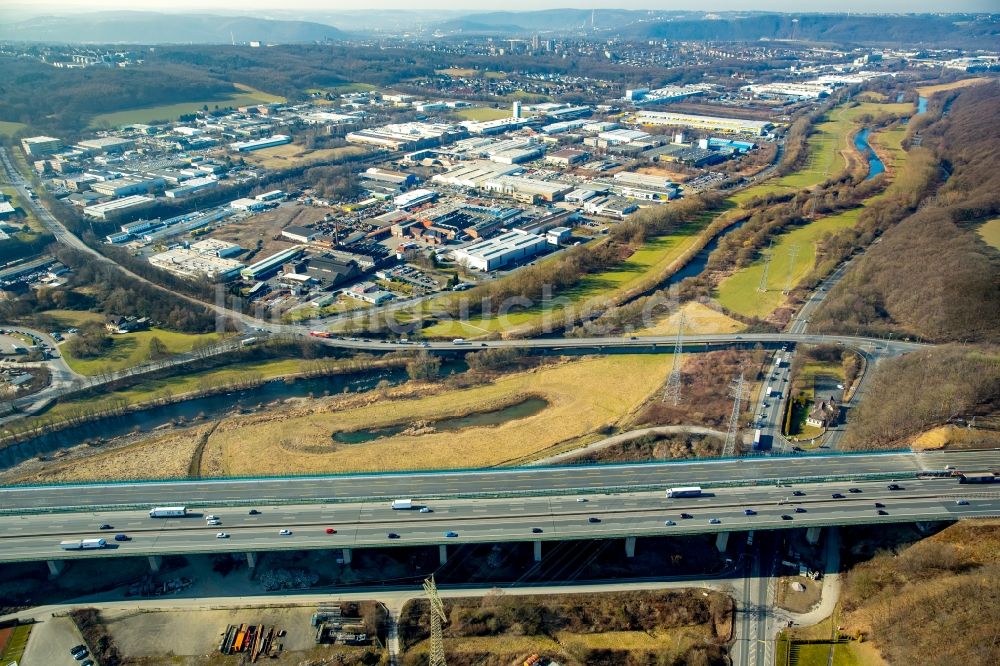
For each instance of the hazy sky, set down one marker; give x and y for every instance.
(264, 6)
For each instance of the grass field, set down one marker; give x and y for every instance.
(8, 128)
(302, 442)
(927, 91)
(292, 155)
(990, 232)
(246, 96)
(463, 72)
(13, 651)
(698, 319)
(482, 113)
(739, 293)
(827, 143)
(15, 199)
(130, 349)
(654, 256)
(851, 653)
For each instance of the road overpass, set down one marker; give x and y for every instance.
(527, 519)
(484, 483)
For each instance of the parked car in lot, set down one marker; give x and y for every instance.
(78, 648)
(80, 656)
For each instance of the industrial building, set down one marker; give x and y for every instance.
(123, 187)
(119, 208)
(245, 204)
(528, 188)
(610, 206)
(216, 248)
(473, 174)
(709, 123)
(642, 186)
(110, 144)
(500, 251)
(414, 198)
(191, 263)
(192, 186)
(257, 144)
(269, 265)
(499, 126)
(645, 96)
(407, 136)
(299, 234)
(40, 145)
(567, 157)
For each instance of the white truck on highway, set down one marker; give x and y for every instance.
(688, 491)
(168, 512)
(402, 504)
(83, 544)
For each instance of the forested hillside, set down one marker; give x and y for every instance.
(931, 276)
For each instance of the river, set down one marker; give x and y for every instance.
(875, 165)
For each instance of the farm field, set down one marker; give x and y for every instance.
(482, 113)
(300, 441)
(292, 155)
(244, 97)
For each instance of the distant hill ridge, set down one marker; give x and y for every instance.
(157, 28)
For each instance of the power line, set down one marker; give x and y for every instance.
(793, 252)
(729, 450)
(437, 618)
(673, 390)
(762, 287)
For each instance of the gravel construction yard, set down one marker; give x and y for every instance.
(50, 641)
(190, 633)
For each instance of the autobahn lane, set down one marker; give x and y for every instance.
(37, 537)
(478, 482)
(506, 482)
(461, 510)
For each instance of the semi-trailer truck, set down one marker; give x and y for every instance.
(83, 544)
(168, 512)
(689, 491)
(402, 504)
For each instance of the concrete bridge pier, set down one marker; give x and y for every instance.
(722, 541)
(813, 534)
(345, 554)
(55, 567)
(154, 562)
(443, 554)
(629, 546)
(538, 551)
(252, 560)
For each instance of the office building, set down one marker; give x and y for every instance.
(40, 145)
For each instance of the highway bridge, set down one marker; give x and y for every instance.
(517, 505)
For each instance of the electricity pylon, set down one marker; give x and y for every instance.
(438, 617)
(729, 450)
(762, 287)
(673, 390)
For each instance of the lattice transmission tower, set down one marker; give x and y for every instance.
(739, 388)
(672, 393)
(762, 287)
(438, 617)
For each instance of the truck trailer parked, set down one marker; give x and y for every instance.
(83, 544)
(168, 512)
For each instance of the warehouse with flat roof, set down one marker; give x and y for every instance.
(709, 123)
(119, 208)
(500, 251)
